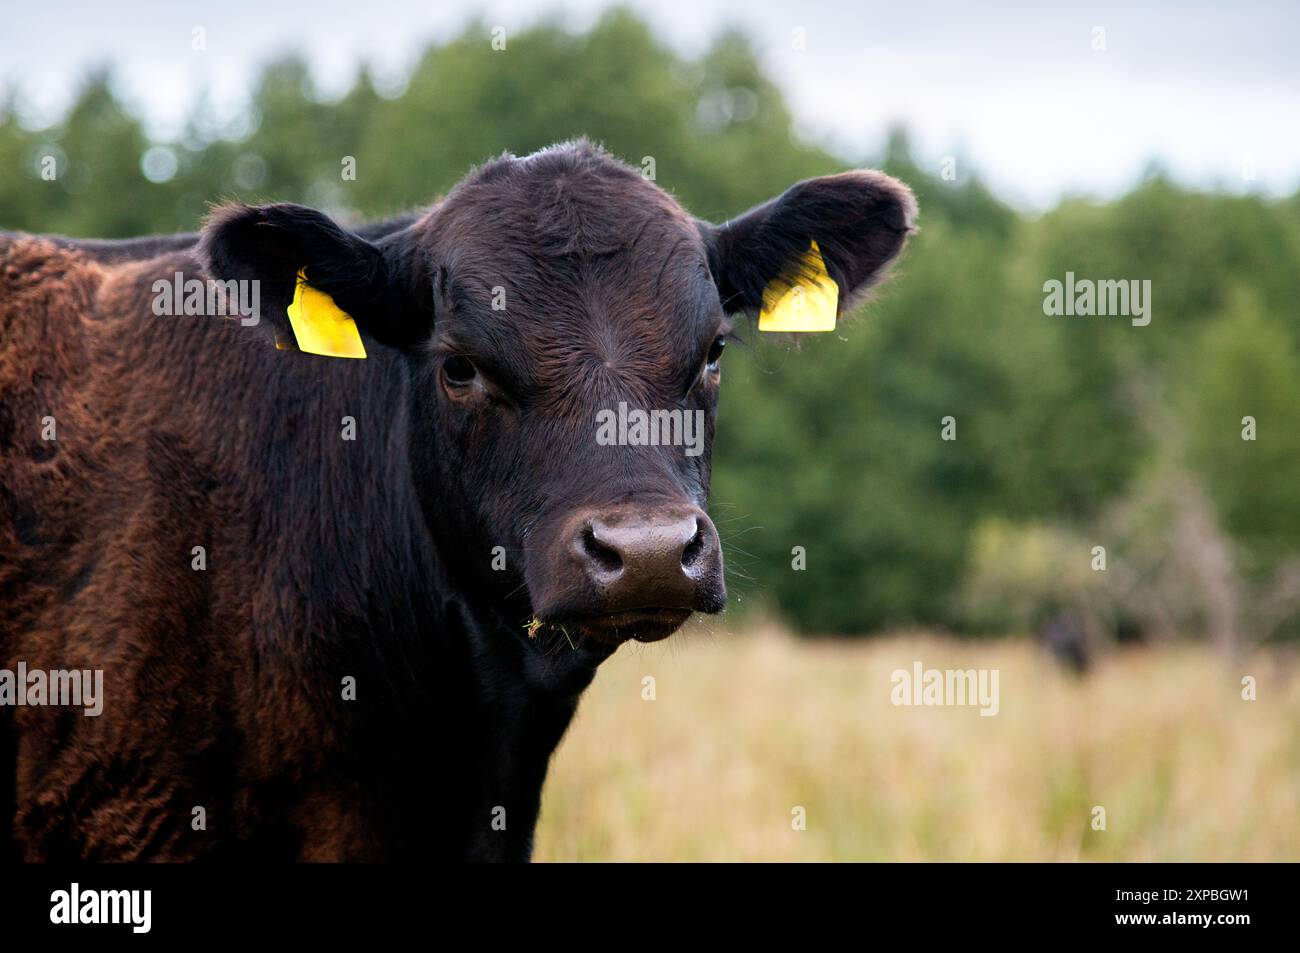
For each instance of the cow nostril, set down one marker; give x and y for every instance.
(605, 557)
(691, 554)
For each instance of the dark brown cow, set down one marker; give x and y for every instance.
(382, 639)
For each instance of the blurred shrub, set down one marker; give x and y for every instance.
(1020, 576)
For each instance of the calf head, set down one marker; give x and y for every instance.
(564, 320)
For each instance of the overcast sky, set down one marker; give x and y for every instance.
(1209, 90)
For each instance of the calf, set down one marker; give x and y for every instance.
(344, 609)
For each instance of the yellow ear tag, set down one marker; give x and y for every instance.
(807, 305)
(320, 325)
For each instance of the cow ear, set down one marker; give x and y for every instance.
(271, 244)
(858, 220)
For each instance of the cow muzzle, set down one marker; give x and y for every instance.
(631, 572)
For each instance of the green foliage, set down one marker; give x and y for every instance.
(834, 443)
(1246, 364)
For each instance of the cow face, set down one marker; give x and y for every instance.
(565, 321)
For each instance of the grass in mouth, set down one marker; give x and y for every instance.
(534, 625)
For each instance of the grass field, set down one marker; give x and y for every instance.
(745, 727)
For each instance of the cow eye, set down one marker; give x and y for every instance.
(459, 371)
(715, 352)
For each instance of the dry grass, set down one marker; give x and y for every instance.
(747, 726)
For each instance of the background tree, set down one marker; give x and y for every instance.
(1068, 430)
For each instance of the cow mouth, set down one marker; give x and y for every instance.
(615, 628)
